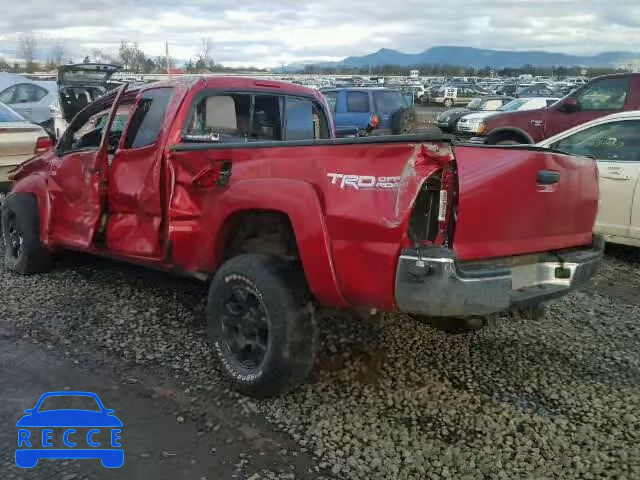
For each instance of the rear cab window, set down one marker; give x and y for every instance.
(243, 117)
(332, 99)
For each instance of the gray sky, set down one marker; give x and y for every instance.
(270, 33)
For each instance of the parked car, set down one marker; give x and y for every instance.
(448, 119)
(535, 90)
(475, 124)
(614, 141)
(372, 110)
(20, 140)
(600, 97)
(27, 98)
(241, 182)
(507, 89)
(78, 86)
(457, 95)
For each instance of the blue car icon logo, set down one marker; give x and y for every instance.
(69, 425)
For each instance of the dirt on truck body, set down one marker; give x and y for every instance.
(242, 183)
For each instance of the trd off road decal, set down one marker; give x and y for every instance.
(363, 182)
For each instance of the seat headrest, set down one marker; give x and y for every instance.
(221, 113)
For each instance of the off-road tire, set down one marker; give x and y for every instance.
(20, 217)
(404, 122)
(284, 297)
(453, 325)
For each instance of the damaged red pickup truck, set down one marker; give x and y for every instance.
(241, 182)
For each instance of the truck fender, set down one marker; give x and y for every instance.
(300, 202)
(36, 185)
(515, 130)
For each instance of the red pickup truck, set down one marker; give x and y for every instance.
(241, 183)
(601, 96)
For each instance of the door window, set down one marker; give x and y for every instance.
(148, 118)
(357, 102)
(87, 129)
(618, 141)
(607, 94)
(22, 93)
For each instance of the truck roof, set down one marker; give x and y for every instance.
(234, 83)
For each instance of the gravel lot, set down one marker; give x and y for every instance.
(390, 398)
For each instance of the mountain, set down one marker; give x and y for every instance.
(479, 58)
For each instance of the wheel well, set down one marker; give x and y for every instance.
(262, 231)
(507, 135)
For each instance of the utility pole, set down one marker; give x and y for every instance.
(166, 53)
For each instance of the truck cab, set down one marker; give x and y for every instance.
(602, 96)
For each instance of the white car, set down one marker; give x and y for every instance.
(473, 123)
(29, 99)
(20, 140)
(614, 141)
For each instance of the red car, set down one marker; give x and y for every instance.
(241, 183)
(601, 96)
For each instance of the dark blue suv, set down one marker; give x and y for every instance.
(372, 110)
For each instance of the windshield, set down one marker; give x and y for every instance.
(7, 115)
(475, 104)
(69, 402)
(513, 105)
(389, 100)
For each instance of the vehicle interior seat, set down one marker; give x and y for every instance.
(221, 115)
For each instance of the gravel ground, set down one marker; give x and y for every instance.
(390, 397)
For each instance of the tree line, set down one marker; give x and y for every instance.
(129, 56)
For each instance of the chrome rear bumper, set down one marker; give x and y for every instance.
(434, 282)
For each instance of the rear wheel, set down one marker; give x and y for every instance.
(24, 253)
(453, 325)
(261, 323)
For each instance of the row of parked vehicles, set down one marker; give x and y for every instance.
(600, 120)
(244, 184)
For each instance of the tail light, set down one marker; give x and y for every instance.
(434, 213)
(43, 144)
(374, 122)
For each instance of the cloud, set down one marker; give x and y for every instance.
(286, 31)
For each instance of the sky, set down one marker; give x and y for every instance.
(276, 32)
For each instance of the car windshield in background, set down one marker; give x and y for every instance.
(7, 115)
(69, 402)
(474, 104)
(513, 105)
(389, 100)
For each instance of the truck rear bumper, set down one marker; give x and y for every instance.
(434, 282)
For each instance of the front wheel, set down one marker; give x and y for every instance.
(24, 253)
(448, 102)
(261, 324)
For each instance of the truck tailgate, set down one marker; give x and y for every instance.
(516, 200)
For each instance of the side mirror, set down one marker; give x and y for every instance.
(347, 132)
(569, 104)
